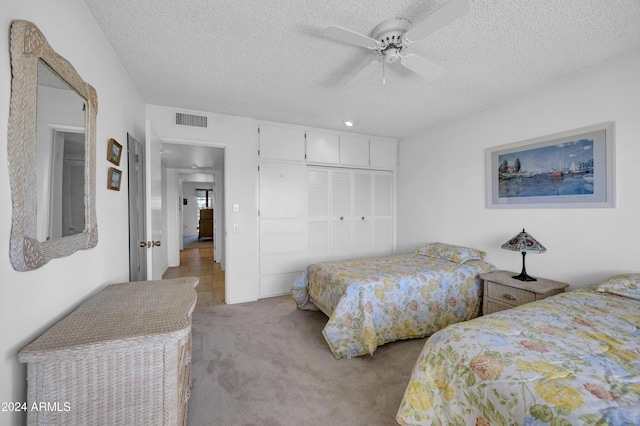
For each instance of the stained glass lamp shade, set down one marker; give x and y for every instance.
(524, 243)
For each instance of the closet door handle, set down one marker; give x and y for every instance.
(341, 217)
(362, 217)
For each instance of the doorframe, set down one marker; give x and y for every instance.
(221, 255)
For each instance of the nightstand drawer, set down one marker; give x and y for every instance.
(491, 307)
(508, 295)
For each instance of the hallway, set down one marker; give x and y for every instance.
(198, 262)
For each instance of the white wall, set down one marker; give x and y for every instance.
(190, 211)
(32, 301)
(239, 137)
(441, 179)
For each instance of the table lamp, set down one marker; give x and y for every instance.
(524, 243)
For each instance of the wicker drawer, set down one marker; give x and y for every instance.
(509, 295)
(491, 307)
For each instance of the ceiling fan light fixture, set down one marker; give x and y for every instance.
(391, 38)
(347, 122)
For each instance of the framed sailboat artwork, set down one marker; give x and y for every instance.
(564, 170)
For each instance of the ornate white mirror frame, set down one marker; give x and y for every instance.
(28, 47)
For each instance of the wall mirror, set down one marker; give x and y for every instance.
(51, 152)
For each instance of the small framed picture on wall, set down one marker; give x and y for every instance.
(115, 177)
(114, 152)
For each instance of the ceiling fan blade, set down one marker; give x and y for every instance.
(350, 37)
(422, 67)
(365, 74)
(446, 14)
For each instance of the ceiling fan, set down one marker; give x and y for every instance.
(390, 39)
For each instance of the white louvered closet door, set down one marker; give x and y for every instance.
(318, 215)
(349, 213)
(362, 220)
(341, 214)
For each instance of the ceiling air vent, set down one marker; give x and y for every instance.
(191, 120)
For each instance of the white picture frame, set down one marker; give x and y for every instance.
(572, 169)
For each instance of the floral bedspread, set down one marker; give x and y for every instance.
(373, 301)
(567, 360)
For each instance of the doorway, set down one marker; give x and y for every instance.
(193, 249)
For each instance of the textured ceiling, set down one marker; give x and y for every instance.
(268, 59)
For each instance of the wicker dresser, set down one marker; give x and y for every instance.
(123, 357)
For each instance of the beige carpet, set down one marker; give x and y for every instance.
(267, 363)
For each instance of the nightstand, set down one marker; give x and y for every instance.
(503, 292)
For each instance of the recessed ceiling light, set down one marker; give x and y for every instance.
(347, 122)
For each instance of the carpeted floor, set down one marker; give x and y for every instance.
(267, 363)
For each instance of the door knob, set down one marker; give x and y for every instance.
(150, 244)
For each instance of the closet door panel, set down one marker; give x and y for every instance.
(340, 239)
(383, 206)
(318, 241)
(382, 237)
(341, 200)
(323, 148)
(349, 213)
(354, 151)
(362, 238)
(318, 194)
(318, 216)
(282, 190)
(283, 235)
(281, 143)
(362, 220)
(362, 194)
(341, 194)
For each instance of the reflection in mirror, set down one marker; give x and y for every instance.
(60, 154)
(51, 153)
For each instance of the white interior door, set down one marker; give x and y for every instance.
(156, 253)
(137, 212)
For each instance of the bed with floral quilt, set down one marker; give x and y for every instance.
(571, 359)
(377, 300)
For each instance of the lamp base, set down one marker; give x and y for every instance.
(524, 277)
